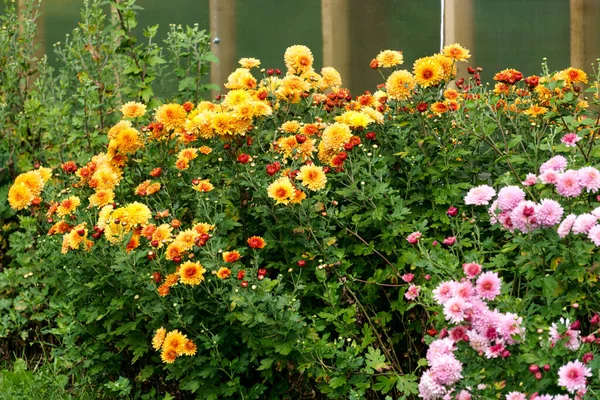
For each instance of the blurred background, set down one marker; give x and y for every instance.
(347, 34)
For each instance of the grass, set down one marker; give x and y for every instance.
(40, 382)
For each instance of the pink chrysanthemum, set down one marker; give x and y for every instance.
(570, 337)
(589, 178)
(458, 333)
(506, 221)
(567, 184)
(562, 397)
(596, 212)
(464, 290)
(524, 216)
(480, 195)
(412, 292)
(478, 342)
(510, 327)
(549, 177)
(516, 396)
(543, 397)
(455, 309)
(494, 351)
(429, 389)
(509, 197)
(488, 285)
(549, 212)
(584, 223)
(556, 163)
(439, 347)
(444, 292)
(414, 237)
(446, 369)
(594, 235)
(530, 180)
(570, 139)
(472, 270)
(565, 227)
(572, 376)
(464, 395)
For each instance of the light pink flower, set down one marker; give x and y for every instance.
(556, 163)
(464, 290)
(594, 234)
(493, 211)
(455, 309)
(549, 177)
(444, 292)
(478, 342)
(596, 212)
(565, 227)
(510, 326)
(524, 216)
(429, 389)
(494, 351)
(480, 195)
(412, 292)
(572, 376)
(567, 184)
(414, 237)
(464, 395)
(516, 396)
(488, 285)
(584, 223)
(549, 212)
(570, 336)
(543, 397)
(530, 180)
(506, 221)
(562, 397)
(439, 347)
(408, 278)
(570, 139)
(589, 178)
(471, 270)
(509, 197)
(446, 369)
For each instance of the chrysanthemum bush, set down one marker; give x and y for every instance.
(289, 239)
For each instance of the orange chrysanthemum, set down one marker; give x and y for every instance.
(223, 273)
(171, 115)
(189, 348)
(256, 242)
(102, 198)
(67, 206)
(231, 256)
(168, 355)
(312, 177)
(428, 72)
(400, 85)
(133, 109)
(456, 52)
(281, 190)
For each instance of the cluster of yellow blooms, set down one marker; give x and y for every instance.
(173, 345)
(27, 188)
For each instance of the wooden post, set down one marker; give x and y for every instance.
(459, 27)
(336, 37)
(577, 33)
(222, 28)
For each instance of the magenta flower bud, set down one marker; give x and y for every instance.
(587, 357)
(595, 319)
(505, 354)
(443, 333)
(434, 243)
(427, 277)
(452, 211)
(576, 325)
(547, 367)
(533, 368)
(449, 241)
(538, 375)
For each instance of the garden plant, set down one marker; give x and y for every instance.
(432, 238)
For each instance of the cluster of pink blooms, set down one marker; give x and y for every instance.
(487, 331)
(514, 212)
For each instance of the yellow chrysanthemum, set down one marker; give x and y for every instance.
(400, 85)
(330, 79)
(241, 78)
(535, 111)
(312, 177)
(456, 52)
(171, 115)
(203, 227)
(137, 214)
(102, 198)
(19, 196)
(282, 190)
(389, 58)
(298, 59)
(355, 119)
(159, 338)
(174, 340)
(168, 356)
(45, 173)
(189, 348)
(574, 75)
(33, 180)
(191, 273)
(114, 131)
(205, 150)
(203, 186)
(187, 238)
(428, 72)
(127, 141)
(447, 64)
(162, 234)
(290, 126)
(133, 109)
(249, 62)
(335, 136)
(189, 153)
(67, 206)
